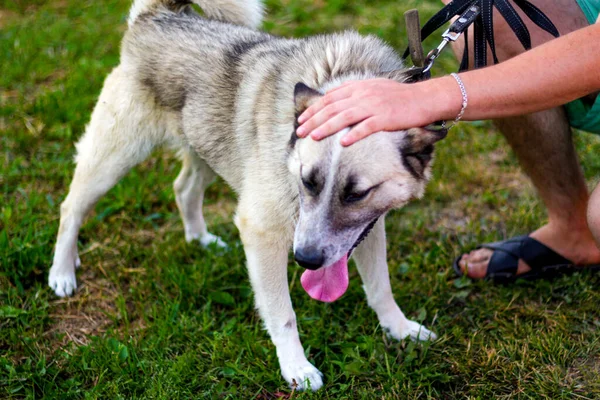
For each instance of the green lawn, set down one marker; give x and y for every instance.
(155, 317)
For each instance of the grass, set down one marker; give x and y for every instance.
(158, 318)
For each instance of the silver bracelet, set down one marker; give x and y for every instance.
(465, 99)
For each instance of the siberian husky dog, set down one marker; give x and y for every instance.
(228, 96)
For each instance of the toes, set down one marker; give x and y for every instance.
(418, 332)
(475, 263)
(409, 329)
(212, 240)
(462, 262)
(480, 255)
(206, 240)
(63, 288)
(302, 376)
(477, 270)
(63, 283)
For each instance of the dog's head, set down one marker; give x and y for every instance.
(344, 190)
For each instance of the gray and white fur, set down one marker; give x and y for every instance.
(228, 97)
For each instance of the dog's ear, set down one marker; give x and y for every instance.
(304, 97)
(422, 137)
(417, 149)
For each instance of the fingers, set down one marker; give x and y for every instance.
(331, 119)
(346, 105)
(347, 116)
(362, 130)
(339, 93)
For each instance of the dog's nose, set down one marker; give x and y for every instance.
(309, 258)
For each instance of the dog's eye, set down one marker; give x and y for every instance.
(356, 197)
(310, 185)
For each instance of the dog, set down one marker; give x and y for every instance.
(228, 97)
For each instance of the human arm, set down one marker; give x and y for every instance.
(547, 76)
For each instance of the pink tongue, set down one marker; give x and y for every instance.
(328, 283)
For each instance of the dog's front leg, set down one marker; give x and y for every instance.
(267, 257)
(371, 260)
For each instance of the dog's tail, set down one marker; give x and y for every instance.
(240, 12)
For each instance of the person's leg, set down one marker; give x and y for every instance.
(593, 214)
(551, 163)
(543, 145)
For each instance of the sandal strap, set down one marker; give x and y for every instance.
(505, 259)
(537, 255)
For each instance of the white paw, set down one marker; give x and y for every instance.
(62, 282)
(209, 239)
(413, 330)
(302, 375)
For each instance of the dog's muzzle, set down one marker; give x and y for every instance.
(310, 258)
(313, 258)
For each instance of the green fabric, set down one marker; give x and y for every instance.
(581, 115)
(584, 117)
(591, 9)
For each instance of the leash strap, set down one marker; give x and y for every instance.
(452, 34)
(484, 25)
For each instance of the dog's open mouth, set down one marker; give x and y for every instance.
(329, 283)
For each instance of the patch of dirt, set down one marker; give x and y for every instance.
(86, 314)
(7, 16)
(512, 178)
(452, 217)
(485, 173)
(48, 81)
(27, 7)
(59, 4)
(584, 375)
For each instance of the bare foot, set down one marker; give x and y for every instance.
(577, 246)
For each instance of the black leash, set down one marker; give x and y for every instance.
(452, 34)
(480, 14)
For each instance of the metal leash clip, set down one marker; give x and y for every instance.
(452, 34)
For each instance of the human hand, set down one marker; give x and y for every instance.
(373, 105)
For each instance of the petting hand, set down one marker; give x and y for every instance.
(373, 105)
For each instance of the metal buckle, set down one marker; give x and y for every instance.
(452, 34)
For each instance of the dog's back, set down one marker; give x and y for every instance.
(231, 84)
(190, 64)
(177, 52)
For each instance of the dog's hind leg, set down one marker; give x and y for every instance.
(122, 132)
(194, 178)
(371, 261)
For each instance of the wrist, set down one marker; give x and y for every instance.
(445, 99)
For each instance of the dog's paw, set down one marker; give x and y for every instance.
(417, 331)
(62, 282)
(206, 240)
(212, 240)
(302, 376)
(412, 330)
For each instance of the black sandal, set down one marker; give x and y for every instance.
(545, 263)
